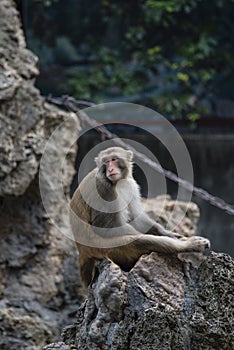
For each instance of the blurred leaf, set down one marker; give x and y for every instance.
(193, 117)
(183, 77)
(175, 55)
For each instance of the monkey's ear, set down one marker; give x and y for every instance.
(129, 156)
(96, 161)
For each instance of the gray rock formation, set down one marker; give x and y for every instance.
(159, 304)
(39, 288)
(155, 306)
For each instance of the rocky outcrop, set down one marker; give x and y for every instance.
(155, 306)
(162, 303)
(39, 285)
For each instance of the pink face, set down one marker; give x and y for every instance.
(113, 172)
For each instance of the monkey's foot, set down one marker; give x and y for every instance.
(197, 244)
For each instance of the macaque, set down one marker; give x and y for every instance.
(108, 221)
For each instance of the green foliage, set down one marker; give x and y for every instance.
(176, 52)
(108, 77)
(172, 6)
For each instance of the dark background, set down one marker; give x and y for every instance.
(173, 56)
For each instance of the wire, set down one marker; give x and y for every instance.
(73, 105)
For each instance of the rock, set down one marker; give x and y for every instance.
(181, 217)
(155, 306)
(21, 106)
(39, 284)
(58, 346)
(159, 304)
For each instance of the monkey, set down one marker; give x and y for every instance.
(108, 221)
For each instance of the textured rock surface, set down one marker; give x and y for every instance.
(156, 307)
(181, 217)
(38, 275)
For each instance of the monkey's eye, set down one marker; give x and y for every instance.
(113, 159)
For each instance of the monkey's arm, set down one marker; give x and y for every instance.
(143, 223)
(158, 229)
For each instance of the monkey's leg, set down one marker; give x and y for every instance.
(86, 266)
(126, 256)
(171, 245)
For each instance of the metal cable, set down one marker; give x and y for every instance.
(72, 104)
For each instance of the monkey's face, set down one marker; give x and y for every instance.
(113, 169)
(114, 164)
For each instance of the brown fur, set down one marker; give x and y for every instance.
(140, 237)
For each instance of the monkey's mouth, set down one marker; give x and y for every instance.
(114, 176)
